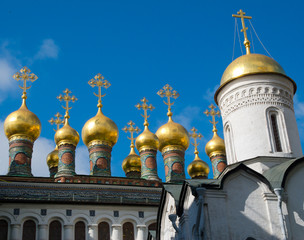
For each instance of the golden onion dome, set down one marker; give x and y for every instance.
(22, 124)
(215, 146)
(147, 139)
(66, 135)
(132, 162)
(52, 158)
(251, 64)
(198, 168)
(100, 129)
(171, 134)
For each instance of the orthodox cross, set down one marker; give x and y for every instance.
(168, 93)
(242, 17)
(67, 98)
(131, 129)
(58, 121)
(99, 81)
(213, 113)
(144, 106)
(25, 76)
(195, 136)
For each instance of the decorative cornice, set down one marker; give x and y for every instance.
(255, 95)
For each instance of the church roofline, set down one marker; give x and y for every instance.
(278, 174)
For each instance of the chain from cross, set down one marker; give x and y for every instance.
(58, 121)
(144, 106)
(167, 92)
(67, 98)
(131, 129)
(213, 113)
(195, 136)
(25, 76)
(100, 82)
(244, 29)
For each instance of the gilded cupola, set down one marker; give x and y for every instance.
(146, 139)
(132, 164)
(52, 158)
(250, 64)
(66, 134)
(23, 124)
(171, 133)
(197, 168)
(99, 129)
(216, 146)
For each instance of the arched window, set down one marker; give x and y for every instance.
(275, 132)
(128, 231)
(80, 231)
(55, 230)
(152, 227)
(3, 230)
(29, 230)
(278, 136)
(230, 145)
(103, 231)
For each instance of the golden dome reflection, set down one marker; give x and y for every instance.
(171, 134)
(215, 146)
(52, 158)
(100, 128)
(66, 135)
(22, 124)
(198, 168)
(251, 64)
(132, 162)
(147, 139)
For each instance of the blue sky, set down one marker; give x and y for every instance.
(139, 46)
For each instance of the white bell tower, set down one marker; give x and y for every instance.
(256, 102)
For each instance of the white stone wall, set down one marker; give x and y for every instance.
(293, 203)
(167, 232)
(245, 207)
(79, 212)
(244, 105)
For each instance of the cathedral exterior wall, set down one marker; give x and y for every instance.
(246, 104)
(78, 212)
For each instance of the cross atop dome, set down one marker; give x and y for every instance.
(25, 76)
(168, 92)
(213, 113)
(57, 121)
(244, 29)
(195, 136)
(144, 106)
(100, 82)
(67, 98)
(131, 129)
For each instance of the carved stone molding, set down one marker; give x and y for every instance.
(249, 96)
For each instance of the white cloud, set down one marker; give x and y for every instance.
(48, 49)
(298, 107)
(209, 95)
(3, 150)
(186, 116)
(8, 66)
(82, 164)
(42, 147)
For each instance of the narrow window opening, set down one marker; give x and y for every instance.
(276, 135)
(3, 230)
(29, 230)
(103, 231)
(80, 231)
(128, 231)
(55, 232)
